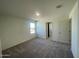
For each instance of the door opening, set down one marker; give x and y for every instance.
(49, 29)
(70, 31)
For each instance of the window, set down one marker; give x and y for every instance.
(32, 28)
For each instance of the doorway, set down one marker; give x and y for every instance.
(49, 29)
(70, 31)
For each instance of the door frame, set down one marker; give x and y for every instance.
(48, 30)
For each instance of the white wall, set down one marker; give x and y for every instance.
(14, 30)
(75, 30)
(41, 29)
(61, 29)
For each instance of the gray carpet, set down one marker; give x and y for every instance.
(39, 48)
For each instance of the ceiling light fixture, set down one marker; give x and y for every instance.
(37, 14)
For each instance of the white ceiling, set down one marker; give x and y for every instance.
(27, 8)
